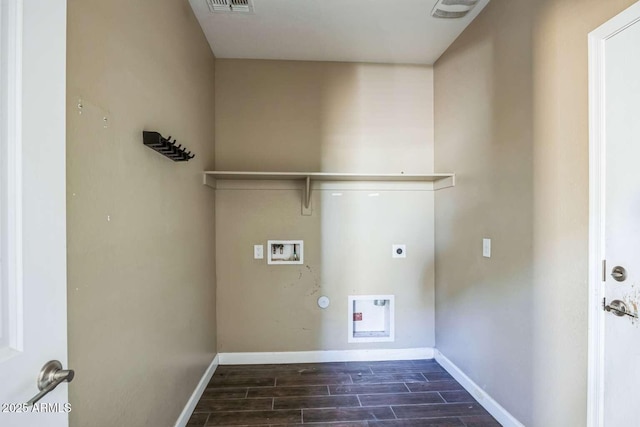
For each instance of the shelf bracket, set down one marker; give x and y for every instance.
(306, 197)
(209, 180)
(447, 182)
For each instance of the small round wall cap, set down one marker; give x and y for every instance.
(323, 302)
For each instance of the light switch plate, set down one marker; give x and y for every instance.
(398, 251)
(258, 252)
(486, 248)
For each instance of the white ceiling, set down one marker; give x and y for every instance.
(384, 31)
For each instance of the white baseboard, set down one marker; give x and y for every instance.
(183, 419)
(493, 407)
(325, 356)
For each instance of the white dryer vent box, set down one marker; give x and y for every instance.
(371, 318)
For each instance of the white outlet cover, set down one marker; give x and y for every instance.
(258, 252)
(486, 248)
(323, 302)
(398, 251)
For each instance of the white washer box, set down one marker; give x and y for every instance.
(371, 318)
(285, 252)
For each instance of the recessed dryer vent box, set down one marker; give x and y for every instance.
(371, 318)
(285, 252)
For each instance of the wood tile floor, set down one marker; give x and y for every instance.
(352, 394)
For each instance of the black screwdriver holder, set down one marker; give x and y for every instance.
(164, 146)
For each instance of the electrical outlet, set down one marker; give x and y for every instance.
(258, 252)
(486, 248)
(398, 251)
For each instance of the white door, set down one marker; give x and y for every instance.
(33, 320)
(622, 225)
(618, 53)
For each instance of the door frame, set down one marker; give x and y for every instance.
(11, 177)
(597, 174)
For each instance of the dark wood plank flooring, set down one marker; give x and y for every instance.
(407, 393)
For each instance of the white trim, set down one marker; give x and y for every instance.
(183, 419)
(325, 356)
(597, 173)
(494, 408)
(596, 253)
(11, 178)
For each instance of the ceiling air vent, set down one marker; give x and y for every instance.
(451, 9)
(232, 6)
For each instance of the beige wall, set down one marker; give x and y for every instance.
(323, 116)
(140, 227)
(511, 114)
(282, 115)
